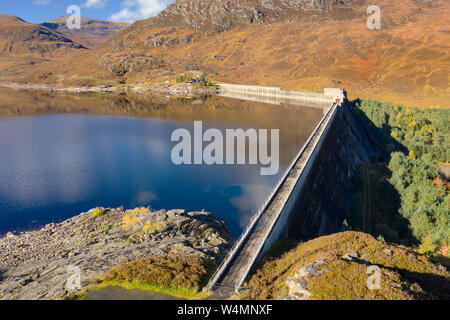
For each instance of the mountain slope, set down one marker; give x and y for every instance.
(295, 44)
(26, 48)
(93, 32)
(19, 37)
(221, 15)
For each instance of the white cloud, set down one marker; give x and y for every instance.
(139, 9)
(97, 4)
(41, 2)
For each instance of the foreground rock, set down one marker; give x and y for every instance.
(38, 264)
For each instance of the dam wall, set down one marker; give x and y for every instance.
(313, 197)
(324, 204)
(291, 208)
(275, 95)
(321, 198)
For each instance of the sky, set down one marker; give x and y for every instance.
(113, 10)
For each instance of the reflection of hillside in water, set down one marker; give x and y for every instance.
(295, 122)
(273, 99)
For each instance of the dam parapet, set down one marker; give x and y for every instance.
(275, 95)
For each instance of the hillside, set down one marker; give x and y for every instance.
(220, 15)
(296, 44)
(337, 267)
(93, 32)
(18, 37)
(24, 46)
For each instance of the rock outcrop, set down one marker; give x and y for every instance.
(213, 15)
(38, 264)
(298, 284)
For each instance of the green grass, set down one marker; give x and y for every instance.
(175, 275)
(178, 292)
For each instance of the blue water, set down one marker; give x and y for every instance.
(53, 167)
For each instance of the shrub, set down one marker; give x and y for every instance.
(98, 212)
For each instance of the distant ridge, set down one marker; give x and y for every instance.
(18, 37)
(93, 32)
(303, 45)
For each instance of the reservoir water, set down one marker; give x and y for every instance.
(62, 154)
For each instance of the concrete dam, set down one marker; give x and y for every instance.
(274, 95)
(313, 197)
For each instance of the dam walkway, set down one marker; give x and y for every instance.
(269, 223)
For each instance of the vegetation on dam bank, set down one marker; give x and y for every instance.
(401, 198)
(410, 198)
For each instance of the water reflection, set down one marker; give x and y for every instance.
(85, 151)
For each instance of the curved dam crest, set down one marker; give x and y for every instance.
(305, 203)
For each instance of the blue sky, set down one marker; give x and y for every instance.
(114, 10)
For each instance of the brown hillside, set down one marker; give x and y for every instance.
(296, 44)
(93, 32)
(18, 37)
(24, 46)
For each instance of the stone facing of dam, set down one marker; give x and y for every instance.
(275, 95)
(313, 197)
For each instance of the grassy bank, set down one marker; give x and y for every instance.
(176, 275)
(177, 292)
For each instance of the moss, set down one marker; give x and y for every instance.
(178, 292)
(179, 276)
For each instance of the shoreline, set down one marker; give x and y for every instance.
(167, 89)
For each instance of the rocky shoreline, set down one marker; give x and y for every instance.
(38, 264)
(167, 89)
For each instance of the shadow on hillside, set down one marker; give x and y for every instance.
(389, 222)
(435, 286)
(380, 137)
(281, 247)
(445, 261)
(432, 286)
(386, 220)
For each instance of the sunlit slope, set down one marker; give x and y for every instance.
(92, 32)
(407, 61)
(25, 46)
(18, 37)
(344, 266)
